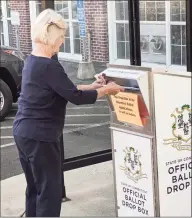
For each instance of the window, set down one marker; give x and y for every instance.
(178, 32)
(122, 29)
(76, 39)
(68, 9)
(76, 30)
(163, 31)
(1, 26)
(10, 32)
(66, 46)
(6, 26)
(38, 7)
(152, 11)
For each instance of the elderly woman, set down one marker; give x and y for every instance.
(39, 122)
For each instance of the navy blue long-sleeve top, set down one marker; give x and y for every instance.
(45, 91)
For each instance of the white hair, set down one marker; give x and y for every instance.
(48, 27)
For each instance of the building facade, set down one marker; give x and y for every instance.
(162, 28)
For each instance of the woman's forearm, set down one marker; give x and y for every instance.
(84, 87)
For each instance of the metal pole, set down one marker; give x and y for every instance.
(189, 34)
(136, 25)
(134, 32)
(131, 32)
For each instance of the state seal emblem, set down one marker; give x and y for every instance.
(132, 165)
(181, 129)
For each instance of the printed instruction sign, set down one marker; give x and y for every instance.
(130, 108)
(173, 129)
(133, 175)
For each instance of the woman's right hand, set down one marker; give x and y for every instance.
(110, 89)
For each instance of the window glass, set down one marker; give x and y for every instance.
(121, 8)
(1, 27)
(178, 45)
(76, 39)
(163, 32)
(66, 47)
(62, 8)
(152, 10)
(122, 30)
(178, 10)
(74, 9)
(38, 7)
(10, 33)
(8, 8)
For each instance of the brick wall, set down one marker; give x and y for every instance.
(97, 23)
(22, 6)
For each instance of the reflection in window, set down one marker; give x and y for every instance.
(121, 10)
(66, 47)
(152, 10)
(178, 45)
(123, 50)
(1, 27)
(10, 33)
(8, 8)
(178, 10)
(62, 8)
(76, 39)
(74, 9)
(38, 7)
(2, 34)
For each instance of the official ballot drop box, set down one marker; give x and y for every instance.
(132, 134)
(172, 95)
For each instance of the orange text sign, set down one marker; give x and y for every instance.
(126, 106)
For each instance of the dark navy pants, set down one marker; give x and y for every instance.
(41, 163)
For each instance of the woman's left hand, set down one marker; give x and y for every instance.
(97, 84)
(100, 81)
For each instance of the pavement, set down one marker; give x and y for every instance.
(87, 130)
(90, 190)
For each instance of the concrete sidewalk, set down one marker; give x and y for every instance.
(90, 189)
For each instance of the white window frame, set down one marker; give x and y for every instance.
(113, 45)
(113, 35)
(5, 23)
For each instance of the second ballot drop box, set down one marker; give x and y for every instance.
(132, 135)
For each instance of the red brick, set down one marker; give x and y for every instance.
(22, 7)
